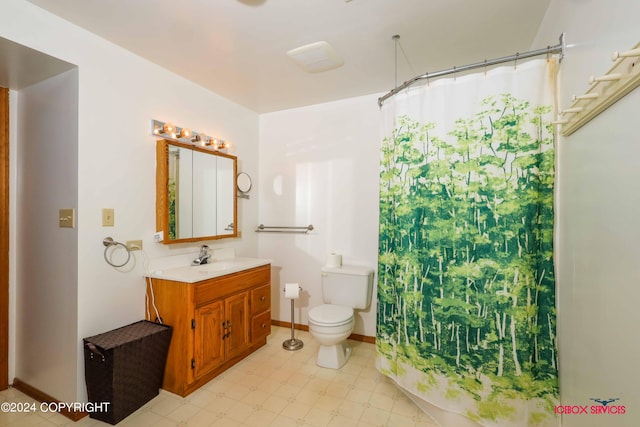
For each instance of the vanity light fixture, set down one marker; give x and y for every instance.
(170, 131)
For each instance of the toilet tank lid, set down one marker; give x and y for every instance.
(354, 270)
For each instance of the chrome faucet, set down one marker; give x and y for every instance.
(204, 256)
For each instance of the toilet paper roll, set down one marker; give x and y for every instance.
(291, 291)
(334, 260)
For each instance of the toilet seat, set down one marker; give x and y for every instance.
(330, 315)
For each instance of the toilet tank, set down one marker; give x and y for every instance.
(349, 285)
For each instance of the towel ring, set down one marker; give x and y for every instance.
(109, 242)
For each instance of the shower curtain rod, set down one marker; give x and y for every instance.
(559, 48)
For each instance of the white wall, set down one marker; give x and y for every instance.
(118, 94)
(598, 273)
(319, 165)
(47, 180)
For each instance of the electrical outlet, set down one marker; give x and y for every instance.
(134, 245)
(158, 236)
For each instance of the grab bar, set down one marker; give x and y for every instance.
(277, 229)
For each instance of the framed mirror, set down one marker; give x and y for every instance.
(195, 193)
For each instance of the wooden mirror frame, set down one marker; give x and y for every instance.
(162, 190)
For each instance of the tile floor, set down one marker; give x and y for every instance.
(271, 387)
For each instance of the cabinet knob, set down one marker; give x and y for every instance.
(264, 325)
(263, 298)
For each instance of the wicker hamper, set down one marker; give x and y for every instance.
(125, 367)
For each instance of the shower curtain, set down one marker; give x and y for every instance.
(466, 287)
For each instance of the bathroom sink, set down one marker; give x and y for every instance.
(216, 268)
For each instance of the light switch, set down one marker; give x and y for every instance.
(67, 218)
(107, 217)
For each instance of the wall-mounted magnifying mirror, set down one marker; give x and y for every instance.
(195, 193)
(243, 182)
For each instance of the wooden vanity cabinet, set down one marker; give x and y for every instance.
(216, 323)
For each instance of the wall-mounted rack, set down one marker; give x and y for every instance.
(605, 91)
(276, 229)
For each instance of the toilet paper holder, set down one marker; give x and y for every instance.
(293, 343)
(299, 288)
(292, 291)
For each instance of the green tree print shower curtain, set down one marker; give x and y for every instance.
(466, 287)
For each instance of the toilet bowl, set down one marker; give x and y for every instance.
(344, 288)
(331, 325)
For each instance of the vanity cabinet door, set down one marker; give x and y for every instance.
(208, 338)
(237, 317)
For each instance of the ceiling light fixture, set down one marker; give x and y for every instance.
(316, 57)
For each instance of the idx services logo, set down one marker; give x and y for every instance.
(604, 407)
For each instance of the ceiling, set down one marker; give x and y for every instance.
(21, 66)
(237, 48)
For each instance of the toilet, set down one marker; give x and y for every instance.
(344, 289)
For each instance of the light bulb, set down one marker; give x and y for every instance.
(169, 128)
(185, 133)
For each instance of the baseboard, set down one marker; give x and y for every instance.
(41, 396)
(288, 325)
(355, 337)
